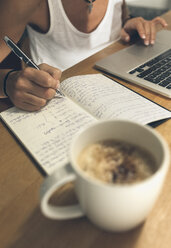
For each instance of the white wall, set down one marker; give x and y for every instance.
(159, 4)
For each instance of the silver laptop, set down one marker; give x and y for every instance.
(147, 66)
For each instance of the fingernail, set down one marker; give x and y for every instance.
(152, 42)
(143, 36)
(146, 43)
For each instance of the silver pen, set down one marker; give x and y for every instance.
(23, 56)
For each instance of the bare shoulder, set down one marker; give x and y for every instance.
(18, 9)
(14, 16)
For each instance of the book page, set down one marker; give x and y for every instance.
(107, 99)
(47, 133)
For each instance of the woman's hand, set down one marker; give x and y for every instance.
(146, 29)
(30, 89)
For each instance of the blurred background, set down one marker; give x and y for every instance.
(148, 8)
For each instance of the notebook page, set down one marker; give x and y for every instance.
(107, 99)
(47, 134)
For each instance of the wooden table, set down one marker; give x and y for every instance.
(22, 224)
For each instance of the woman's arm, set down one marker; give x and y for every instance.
(28, 89)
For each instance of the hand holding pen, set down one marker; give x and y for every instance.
(30, 89)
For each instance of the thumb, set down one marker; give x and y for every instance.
(124, 35)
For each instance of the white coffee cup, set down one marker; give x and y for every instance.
(116, 207)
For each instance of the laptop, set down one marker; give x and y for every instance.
(147, 66)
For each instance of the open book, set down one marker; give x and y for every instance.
(47, 133)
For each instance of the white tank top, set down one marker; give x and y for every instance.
(64, 45)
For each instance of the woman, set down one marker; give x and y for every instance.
(62, 33)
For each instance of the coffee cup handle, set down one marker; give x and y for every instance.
(60, 177)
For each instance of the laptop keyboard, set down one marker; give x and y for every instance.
(157, 70)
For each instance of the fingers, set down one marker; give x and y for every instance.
(30, 89)
(140, 28)
(29, 102)
(161, 21)
(36, 90)
(150, 29)
(150, 33)
(146, 29)
(54, 72)
(40, 77)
